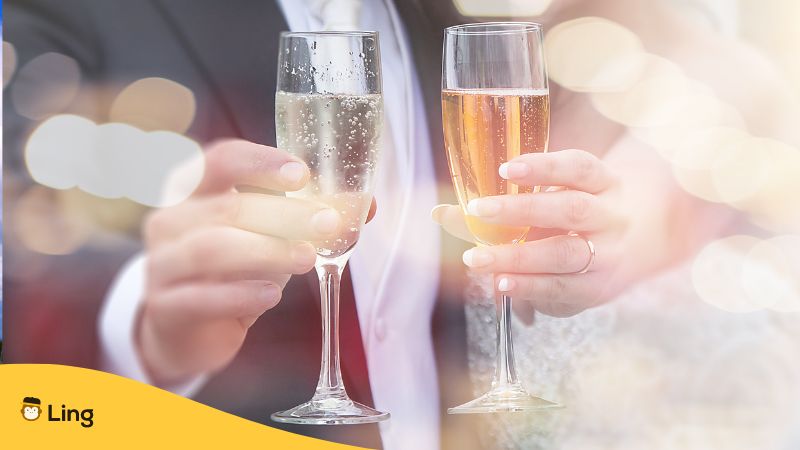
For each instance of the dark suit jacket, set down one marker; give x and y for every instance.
(225, 52)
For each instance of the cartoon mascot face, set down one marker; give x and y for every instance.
(31, 408)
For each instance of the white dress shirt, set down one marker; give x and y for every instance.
(395, 265)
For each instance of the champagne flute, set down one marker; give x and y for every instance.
(329, 112)
(495, 106)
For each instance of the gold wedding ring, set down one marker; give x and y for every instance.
(591, 251)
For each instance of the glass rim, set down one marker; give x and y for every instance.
(500, 28)
(341, 33)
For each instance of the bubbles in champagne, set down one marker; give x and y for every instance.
(482, 130)
(338, 136)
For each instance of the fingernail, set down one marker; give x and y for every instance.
(483, 207)
(436, 213)
(475, 257)
(510, 170)
(505, 284)
(269, 293)
(303, 255)
(293, 171)
(325, 221)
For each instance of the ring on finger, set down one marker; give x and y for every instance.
(589, 244)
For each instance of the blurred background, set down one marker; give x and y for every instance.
(704, 355)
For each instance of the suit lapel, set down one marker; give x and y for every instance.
(425, 22)
(234, 43)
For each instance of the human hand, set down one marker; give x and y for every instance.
(543, 271)
(220, 259)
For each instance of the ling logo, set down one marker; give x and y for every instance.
(32, 410)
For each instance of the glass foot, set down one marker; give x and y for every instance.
(508, 399)
(332, 411)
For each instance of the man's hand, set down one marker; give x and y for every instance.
(543, 270)
(220, 259)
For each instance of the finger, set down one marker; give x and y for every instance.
(217, 253)
(524, 312)
(568, 210)
(373, 209)
(241, 299)
(553, 255)
(288, 218)
(576, 169)
(169, 224)
(451, 218)
(534, 234)
(238, 162)
(554, 295)
(281, 279)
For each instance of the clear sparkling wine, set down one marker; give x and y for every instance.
(483, 129)
(338, 136)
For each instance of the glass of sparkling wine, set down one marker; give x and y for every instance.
(329, 112)
(495, 106)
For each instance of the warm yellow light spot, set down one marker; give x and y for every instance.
(776, 204)
(592, 54)
(155, 104)
(698, 110)
(717, 275)
(118, 215)
(41, 225)
(655, 96)
(772, 272)
(9, 62)
(742, 169)
(46, 85)
(694, 157)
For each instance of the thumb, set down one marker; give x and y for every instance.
(451, 218)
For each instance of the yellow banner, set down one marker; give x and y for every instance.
(52, 406)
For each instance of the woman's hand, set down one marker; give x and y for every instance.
(544, 270)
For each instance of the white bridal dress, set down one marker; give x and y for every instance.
(657, 368)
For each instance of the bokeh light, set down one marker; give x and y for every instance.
(42, 226)
(718, 271)
(162, 154)
(56, 148)
(743, 169)
(775, 205)
(592, 54)
(772, 26)
(695, 156)
(772, 271)
(46, 85)
(183, 179)
(697, 111)
(9, 62)
(652, 99)
(112, 160)
(155, 104)
(505, 8)
(120, 215)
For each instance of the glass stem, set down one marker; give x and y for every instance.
(329, 271)
(505, 376)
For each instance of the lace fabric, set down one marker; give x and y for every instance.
(656, 368)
